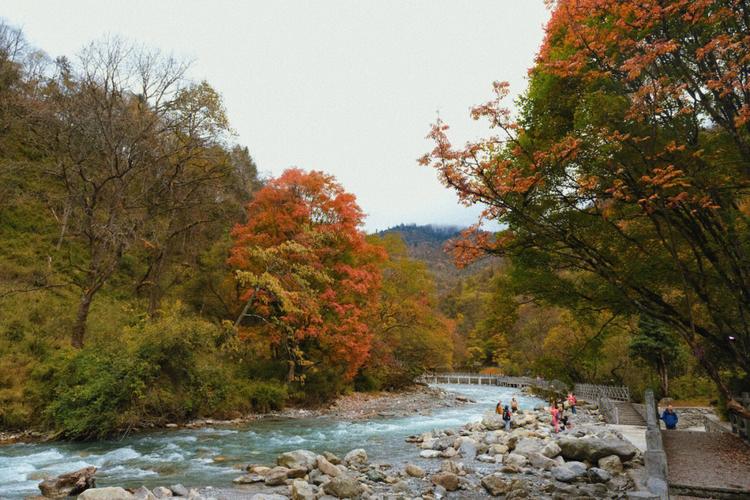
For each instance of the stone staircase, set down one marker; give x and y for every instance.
(628, 415)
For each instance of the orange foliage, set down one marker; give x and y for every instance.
(321, 279)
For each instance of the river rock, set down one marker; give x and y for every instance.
(401, 487)
(447, 480)
(302, 490)
(597, 475)
(569, 472)
(268, 496)
(448, 453)
(249, 479)
(414, 470)
(297, 473)
(276, 476)
(592, 448)
(162, 492)
(494, 437)
(528, 445)
(144, 493)
(488, 459)
(106, 494)
(493, 421)
(297, 459)
(539, 461)
(515, 460)
(611, 464)
(69, 484)
(551, 449)
(450, 466)
(356, 457)
(376, 476)
(564, 474)
(429, 454)
(496, 484)
(343, 487)
(316, 477)
(331, 457)
(518, 489)
(497, 449)
(467, 447)
(327, 467)
(179, 490)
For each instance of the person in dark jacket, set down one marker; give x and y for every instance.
(507, 417)
(670, 418)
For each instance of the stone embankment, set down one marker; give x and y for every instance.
(477, 460)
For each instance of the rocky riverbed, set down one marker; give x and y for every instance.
(476, 460)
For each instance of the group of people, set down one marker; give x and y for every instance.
(560, 415)
(507, 411)
(559, 412)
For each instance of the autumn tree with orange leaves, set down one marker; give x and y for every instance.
(309, 278)
(624, 178)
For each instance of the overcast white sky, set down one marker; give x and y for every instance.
(348, 87)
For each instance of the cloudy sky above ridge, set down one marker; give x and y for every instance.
(348, 87)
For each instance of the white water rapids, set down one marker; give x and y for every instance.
(186, 456)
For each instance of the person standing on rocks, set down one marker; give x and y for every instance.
(507, 417)
(499, 408)
(572, 402)
(670, 418)
(514, 405)
(555, 416)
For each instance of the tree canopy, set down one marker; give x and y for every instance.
(624, 176)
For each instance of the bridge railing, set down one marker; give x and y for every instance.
(593, 392)
(482, 377)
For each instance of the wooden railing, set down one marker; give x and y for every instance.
(592, 392)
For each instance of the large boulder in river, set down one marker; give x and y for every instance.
(69, 484)
(106, 494)
(343, 487)
(592, 448)
(297, 459)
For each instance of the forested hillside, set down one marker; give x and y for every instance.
(148, 275)
(432, 245)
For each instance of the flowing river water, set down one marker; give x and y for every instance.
(187, 456)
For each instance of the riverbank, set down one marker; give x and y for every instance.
(475, 460)
(413, 400)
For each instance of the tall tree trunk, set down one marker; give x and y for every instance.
(79, 328)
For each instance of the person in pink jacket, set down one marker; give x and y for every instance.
(555, 416)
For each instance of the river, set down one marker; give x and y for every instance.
(187, 456)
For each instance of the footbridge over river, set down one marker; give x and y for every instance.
(484, 379)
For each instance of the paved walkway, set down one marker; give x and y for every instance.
(633, 433)
(707, 459)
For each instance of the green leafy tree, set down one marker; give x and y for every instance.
(655, 344)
